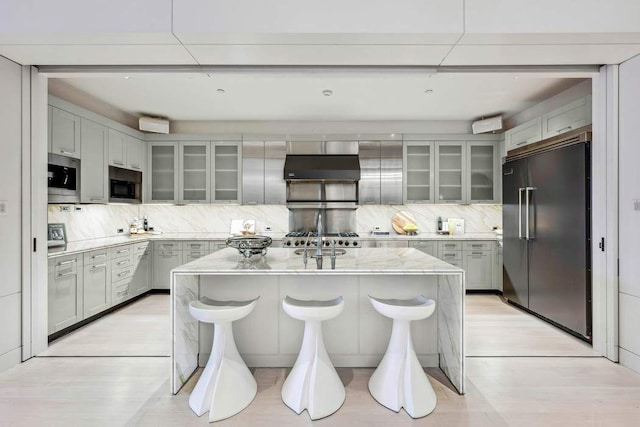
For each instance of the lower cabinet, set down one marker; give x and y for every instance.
(479, 268)
(65, 292)
(97, 289)
(141, 278)
(121, 291)
(164, 260)
(426, 246)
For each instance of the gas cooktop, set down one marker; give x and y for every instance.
(299, 238)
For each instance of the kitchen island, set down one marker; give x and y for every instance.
(356, 338)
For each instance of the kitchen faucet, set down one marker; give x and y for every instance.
(319, 241)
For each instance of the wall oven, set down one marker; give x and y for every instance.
(125, 186)
(63, 179)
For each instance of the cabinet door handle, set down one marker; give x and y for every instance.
(118, 163)
(124, 273)
(97, 199)
(97, 266)
(71, 261)
(564, 129)
(69, 153)
(71, 273)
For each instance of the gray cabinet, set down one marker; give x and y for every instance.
(381, 167)
(135, 153)
(65, 133)
(566, 118)
(450, 174)
(275, 187)
(117, 149)
(142, 262)
(426, 246)
(418, 172)
(65, 292)
(498, 267)
(165, 259)
(524, 134)
(163, 182)
(478, 265)
(225, 172)
(482, 168)
(193, 176)
(97, 288)
(94, 184)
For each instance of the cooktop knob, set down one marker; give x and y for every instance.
(346, 243)
(340, 242)
(287, 243)
(355, 243)
(297, 243)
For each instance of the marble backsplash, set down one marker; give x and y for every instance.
(98, 221)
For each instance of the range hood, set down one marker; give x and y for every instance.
(322, 167)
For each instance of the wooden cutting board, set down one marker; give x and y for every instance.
(400, 219)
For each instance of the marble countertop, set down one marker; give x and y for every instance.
(391, 261)
(93, 244)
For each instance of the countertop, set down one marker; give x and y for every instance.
(93, 244)
(391, 261)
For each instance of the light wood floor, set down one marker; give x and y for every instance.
(502, 391)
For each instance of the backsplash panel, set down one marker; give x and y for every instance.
(99, 221)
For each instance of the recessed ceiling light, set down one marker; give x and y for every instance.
(220, 90)
(428, 91)
(127, 77)
(327, 92)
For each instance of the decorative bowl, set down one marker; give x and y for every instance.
(251, 247)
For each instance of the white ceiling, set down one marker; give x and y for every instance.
(298, 96)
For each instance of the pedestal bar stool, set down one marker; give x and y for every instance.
(313, 383)
(226, 386)
(399, 380)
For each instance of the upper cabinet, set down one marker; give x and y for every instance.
(482, 172)
(163, 183)
(418, 172)
(564, 119)
(568, 117)
(65, 133)
(226, 172)
(117, 148)
(136, 153)
(523, 134)
(94, 187)
(451, 172)
(194, 179)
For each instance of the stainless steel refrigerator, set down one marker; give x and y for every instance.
(547, 230)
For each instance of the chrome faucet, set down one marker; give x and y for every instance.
(319, 241)
(333, 254)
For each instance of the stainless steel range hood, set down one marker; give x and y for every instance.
(322, 167)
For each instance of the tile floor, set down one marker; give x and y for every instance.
(502, 390)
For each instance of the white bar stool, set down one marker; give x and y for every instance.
(313, 383)
(399, 381)
(226, 386)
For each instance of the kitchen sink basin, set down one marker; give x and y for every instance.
(326, 252)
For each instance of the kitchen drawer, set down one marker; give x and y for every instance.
(120, 291)
(66, 266)
(449, 256)
(121, 252)
(169, 246)
(140, 247)
(449, 246)
(120, 263)
(95, 257)
(478, 246)
(195, 246)
(427, 246)
(193, 255)
(457, 263)
(122, 273)
(216, 246)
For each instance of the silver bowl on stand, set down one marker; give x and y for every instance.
(251, 247)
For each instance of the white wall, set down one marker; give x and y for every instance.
(11, 220)
(629, 213)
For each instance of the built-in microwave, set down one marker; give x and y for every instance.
(63, 179)
(125, 186)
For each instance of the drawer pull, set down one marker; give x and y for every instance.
(123, 262)
(196, 245)
(449, 245)
(97, 266)
(99, 256)
(71, 261)
(71, 273)
(449, 255)
(123, 251)
(476, 245)
(167, 254)
(124, 273)
(477, 253)
(123, 293)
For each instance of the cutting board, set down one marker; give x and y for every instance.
(400, 219)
